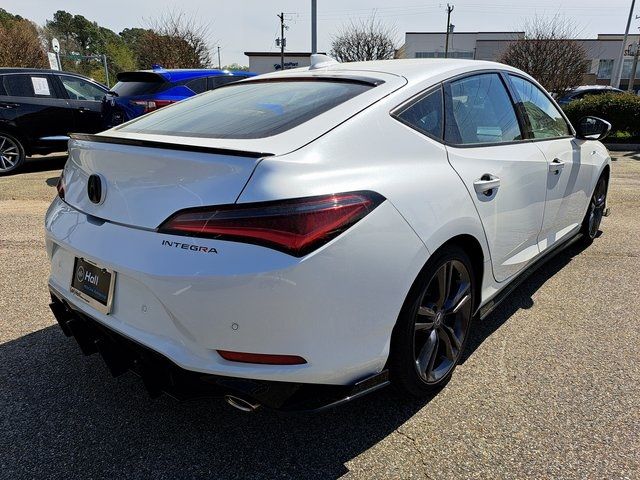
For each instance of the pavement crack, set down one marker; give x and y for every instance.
(417, 449)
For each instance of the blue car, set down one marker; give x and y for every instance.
(143, 91)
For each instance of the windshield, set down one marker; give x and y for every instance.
(249, 109)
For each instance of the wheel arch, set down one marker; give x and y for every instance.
(15, 132)
(473, 248)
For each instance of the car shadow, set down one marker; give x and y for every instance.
(62, 415)
(43, 163)
(520, 298)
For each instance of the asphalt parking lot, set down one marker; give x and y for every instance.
(549, 387)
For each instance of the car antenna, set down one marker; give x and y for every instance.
(321, 61)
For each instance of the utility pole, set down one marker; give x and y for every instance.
(314, 26)
(282, 40)
(615, 76)
(632, 76)
(446, 41)
(219, 62)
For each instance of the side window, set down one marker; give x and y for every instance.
(38, 86)
(219, 80)
(425, 115)
(79, 89)
(197, 85)
(479, 110)
(545, 119)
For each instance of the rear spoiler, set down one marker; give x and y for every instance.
(141, 76)
(165, 145)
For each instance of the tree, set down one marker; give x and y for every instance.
(235, 67)
(20, 43)
(549, 53)
(364, 40)
(174, 41)
(80, 36)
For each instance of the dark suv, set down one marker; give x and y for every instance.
(38, 108)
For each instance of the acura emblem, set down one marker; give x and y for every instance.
(95, 189)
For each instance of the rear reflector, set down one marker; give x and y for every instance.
(296, 226)
(261, 358)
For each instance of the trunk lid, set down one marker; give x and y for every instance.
(143, 185)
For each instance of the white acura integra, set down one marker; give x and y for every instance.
(301, 238)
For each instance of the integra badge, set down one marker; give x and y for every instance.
(189, 246)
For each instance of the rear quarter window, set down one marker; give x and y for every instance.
(24, 85)
(248, 109)
(128, 89)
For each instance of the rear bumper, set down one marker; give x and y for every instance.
(160, 375)
(335, 308)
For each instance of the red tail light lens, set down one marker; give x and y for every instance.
(60, 185)
(262, 358)
(296, 227)
(151, 105)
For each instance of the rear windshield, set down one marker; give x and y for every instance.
(248, 109)
(127, 89)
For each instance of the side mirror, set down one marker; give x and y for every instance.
(593, 128)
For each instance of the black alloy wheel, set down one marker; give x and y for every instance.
(596, 210)
(11, 153)
(432, 329)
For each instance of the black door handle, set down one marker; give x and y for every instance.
(7, 106)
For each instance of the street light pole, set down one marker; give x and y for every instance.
(314, 26)
(615, 77)
(219, 63)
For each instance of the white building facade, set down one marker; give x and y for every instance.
(602, 52)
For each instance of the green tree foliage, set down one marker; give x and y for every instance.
(20, 44)
(621, 110)
(236, 67)
(173, 40)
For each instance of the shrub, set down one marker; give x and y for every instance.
(621, 110)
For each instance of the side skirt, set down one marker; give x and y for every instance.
(488, 307)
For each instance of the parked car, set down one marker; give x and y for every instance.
(38, 109)
(584, 90)
(305, 237)
(144, 91)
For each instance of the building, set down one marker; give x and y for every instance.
(602, 51)
(265, 62)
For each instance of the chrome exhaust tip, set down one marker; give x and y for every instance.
(241, 403)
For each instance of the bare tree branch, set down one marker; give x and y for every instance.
(364, 40)
(549, 53)
(175, 40)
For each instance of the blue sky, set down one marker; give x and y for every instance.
(252, 25)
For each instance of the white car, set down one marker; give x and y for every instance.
(304, 237)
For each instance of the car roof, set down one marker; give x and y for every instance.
(179, 74)
(594, 87)
(9, 70)
(413, 69)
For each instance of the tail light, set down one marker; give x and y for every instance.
(60, 185)
(151, 105)
(296, 226)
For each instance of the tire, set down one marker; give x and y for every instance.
(12, 154)
(432, 328)
(595, 211)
